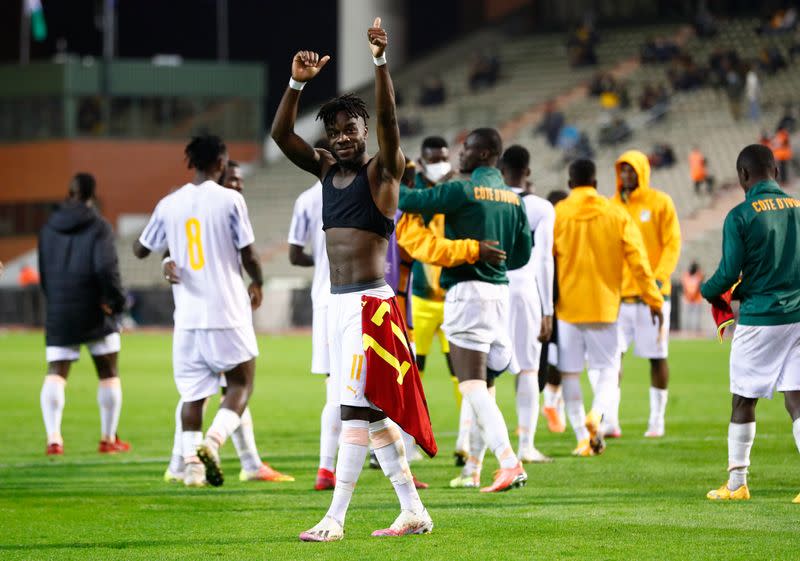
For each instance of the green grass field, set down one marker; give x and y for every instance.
(640, 500)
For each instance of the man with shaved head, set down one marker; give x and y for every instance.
(761, 267)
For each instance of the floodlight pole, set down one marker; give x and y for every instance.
(24, 34)
(222, 30)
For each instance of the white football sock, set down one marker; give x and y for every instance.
(244, 440)
(573, 402)
(387, 442)
(109, 398)
(593, 374)
(225, 422)
(796, 432)
(551, 394)
(477, 448)
(612, 416)
(352, 453)
(52, 401)
(330, 428)
(740, 441)
(466, 421)
(605, 385)
(176, 464)
(491, 420)
(190, 440)
(527, 408)
(658, 407)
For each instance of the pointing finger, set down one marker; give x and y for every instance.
(377, 22)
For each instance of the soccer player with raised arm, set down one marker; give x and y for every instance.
(476, 309)
(760, 246)
(207, 231)
(653, 212)
(531, 292)
(359, 202)
(593, 241)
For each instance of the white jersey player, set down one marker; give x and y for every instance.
(531, 294)
(306, 229)
(207, 231)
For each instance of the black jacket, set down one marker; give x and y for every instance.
(79, 271)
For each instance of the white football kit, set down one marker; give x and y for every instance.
(531, 287)
(306, 227)
(204, 227)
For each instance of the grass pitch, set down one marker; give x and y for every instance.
(640, 500)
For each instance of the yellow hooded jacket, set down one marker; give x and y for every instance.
(593, 241)
(654, 213)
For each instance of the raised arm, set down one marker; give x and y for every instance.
(390, 157)
(305, 65)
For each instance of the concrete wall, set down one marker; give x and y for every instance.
(356, 16)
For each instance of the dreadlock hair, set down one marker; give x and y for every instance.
(203, 151)
(350, 103)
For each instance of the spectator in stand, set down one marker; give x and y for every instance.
(771, 61)
(581, 45)
(752, 89)
(698, 170)
(484, 72)
(432, 92)
(782, 150)
(781, 21)
(704, 25)
(659, 50)
(794, 48)
(551, 124)
(734, 88)
(615, 132)
(691, 281)
(662, 156)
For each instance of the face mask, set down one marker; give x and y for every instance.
(436, 171)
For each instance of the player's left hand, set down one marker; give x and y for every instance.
(256, 295)
(106, 309)
(546, 330)
(377, 38)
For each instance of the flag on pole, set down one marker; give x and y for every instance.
(38, 26)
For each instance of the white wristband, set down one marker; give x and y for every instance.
(295, 85)
(379, 61)
(166, 260)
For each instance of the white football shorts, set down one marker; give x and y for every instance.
(476, 317)
(595, 345)
(636, 326)
(199, 356)
(109, 344)
(320, 359)
(765, 359)
(525, 323)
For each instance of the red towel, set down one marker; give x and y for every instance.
(393, 381)
(723, 313)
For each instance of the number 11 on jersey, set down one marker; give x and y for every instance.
(194, 244)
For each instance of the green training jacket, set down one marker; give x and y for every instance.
(761, 241)
(480, 208)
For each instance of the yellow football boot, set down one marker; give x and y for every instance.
(796, 500)
(725, 494)
(584, 449)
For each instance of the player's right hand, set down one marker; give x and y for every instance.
(307, 64)
(490, 253)
(546, 330)
(256, 295)
(170, 270)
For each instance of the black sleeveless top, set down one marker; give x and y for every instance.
(353, 206)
